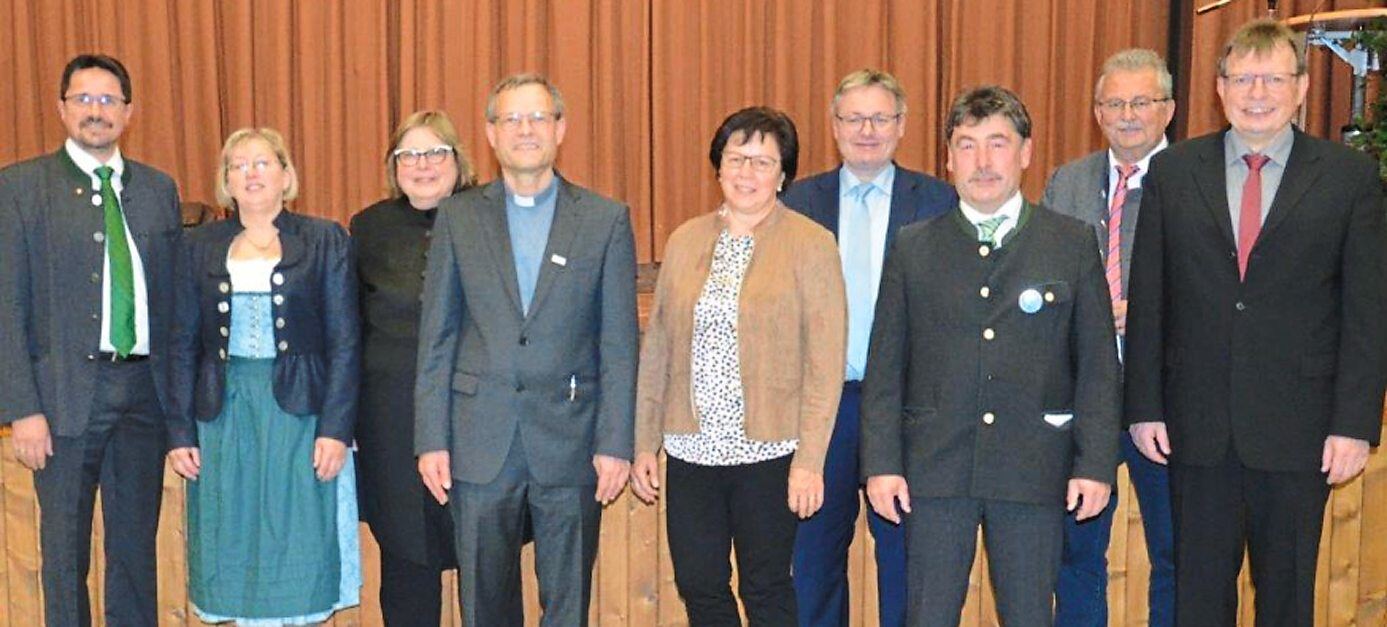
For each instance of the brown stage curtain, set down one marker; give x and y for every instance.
(711, 57)
(645, 82)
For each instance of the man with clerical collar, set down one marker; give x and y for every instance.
(86, 259)
(1256, 335)
(525, 395)
(1133, 105)
(864, 202)
(992, 392)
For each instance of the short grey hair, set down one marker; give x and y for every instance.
(516, 81)
(1136, 60)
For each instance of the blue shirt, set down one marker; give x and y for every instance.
(528, 219)
(861, 309)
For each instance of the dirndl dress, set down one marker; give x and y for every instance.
(268, 543)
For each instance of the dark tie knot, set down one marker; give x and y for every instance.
(1125, 172)
(1255, 161)
(104, 172)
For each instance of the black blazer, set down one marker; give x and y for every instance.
(317, 325)
(51, 256)
(960, 380)
(1274, 364)
(914, 197)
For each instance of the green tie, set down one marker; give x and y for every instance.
(987, 228)
(122, 273)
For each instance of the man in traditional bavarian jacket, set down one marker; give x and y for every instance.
(992, 389)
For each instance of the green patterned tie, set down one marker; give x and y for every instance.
(122, 273)
(988, 228)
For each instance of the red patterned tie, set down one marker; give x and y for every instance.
(1114, 257)
(1250, 213)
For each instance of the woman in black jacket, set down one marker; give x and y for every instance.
(267, 364)
(424, 164)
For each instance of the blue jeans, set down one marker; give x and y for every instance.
(821, 544)
(1081, 598)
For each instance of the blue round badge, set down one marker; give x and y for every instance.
(1030, 301)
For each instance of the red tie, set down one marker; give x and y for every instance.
(1250, 213)
(1114, 256)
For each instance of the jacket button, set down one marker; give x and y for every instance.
(984, 250)
(222, 353)
(91, 357)
(985, 292)
(224, 287)
(277, 278)
(989, 418)
(96, 277)
(1049, 297)
(96, 316)
(524, 341)
(279, 323)
(1240, 306)
(225, 332)
(98, 237)
(223, 307)
(278, 299)
(988, 334)
(283, 346)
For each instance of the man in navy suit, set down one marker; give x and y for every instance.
(864, 202)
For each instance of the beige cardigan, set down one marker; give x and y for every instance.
(792, 334)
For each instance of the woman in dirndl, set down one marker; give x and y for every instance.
(268, 359)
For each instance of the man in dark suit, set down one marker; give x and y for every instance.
(864, 202)
(991, 395)
(524, 401)
(86, 299)
(1255, 335)
(1133, 105)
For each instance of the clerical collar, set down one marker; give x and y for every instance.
(530, 201)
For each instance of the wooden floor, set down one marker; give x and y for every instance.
(634, 585)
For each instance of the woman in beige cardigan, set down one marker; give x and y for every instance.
(740, 373)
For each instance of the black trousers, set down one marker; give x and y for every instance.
(1277, 516)
(411, 593)
(122, 451)
(1024, 544)
(710, 510)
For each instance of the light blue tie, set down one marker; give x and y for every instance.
(855, 237)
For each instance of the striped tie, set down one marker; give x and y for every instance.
(1114, 256)
(987, 229)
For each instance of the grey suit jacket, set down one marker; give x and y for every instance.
(562, 378)
(52, 252)
(1079, 189)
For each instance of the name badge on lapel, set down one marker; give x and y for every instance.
(558, 260)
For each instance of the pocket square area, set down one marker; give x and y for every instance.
(1058, 420)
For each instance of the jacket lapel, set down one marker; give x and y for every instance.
(905, 202)
(1300, 173)
(497, 238)
(1212, 180)
(826, 202)
(1094, 192)
(567, 219)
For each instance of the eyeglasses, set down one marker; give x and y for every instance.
(105, 101)
(761, 165)
(433, 156)
(1273, 80)
(879, 121)
(259, 165)
(1139, 105)
(510, 122)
